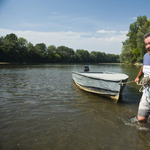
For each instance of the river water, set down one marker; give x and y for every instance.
(42, 109)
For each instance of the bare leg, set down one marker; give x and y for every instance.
(142, 119)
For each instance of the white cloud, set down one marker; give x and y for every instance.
(106, 31)
(124, 32)
(55, 13)
(117, 38)
(75, 40)
(134, 18)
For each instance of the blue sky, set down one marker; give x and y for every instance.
(93, 25)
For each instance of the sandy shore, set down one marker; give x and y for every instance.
(112, 63)
(122, 63)
(1, 63)
(7, 63)
(138, 64)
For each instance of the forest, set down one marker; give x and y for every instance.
(19, 50)
(133, 48)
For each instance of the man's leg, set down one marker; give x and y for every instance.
(144, 109)
(142, 119)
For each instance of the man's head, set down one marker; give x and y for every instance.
(147, 42)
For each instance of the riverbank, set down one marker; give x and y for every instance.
(112, 63)
(3, 63)
(138, 64)
(10, 63)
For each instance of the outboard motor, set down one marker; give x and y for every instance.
(86, 68)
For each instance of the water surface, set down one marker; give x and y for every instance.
(42, 108)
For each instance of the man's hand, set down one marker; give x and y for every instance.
(137, 79)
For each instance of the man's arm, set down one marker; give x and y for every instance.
(139, 75)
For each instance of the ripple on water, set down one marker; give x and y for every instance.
(133, 122)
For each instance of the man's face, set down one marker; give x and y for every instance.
(147, 44)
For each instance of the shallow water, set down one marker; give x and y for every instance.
(42, 108)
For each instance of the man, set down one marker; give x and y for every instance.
(144, 106)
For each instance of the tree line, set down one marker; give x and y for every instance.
(14, 49)
(133, 48)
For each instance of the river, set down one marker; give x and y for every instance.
(42, 109)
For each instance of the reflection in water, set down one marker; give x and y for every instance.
(42, 108)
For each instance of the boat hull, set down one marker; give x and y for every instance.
(100, 86)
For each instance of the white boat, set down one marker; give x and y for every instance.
(104, 83)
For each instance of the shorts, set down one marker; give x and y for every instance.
(144, 106)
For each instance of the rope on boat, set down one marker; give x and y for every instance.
(144, 83)
(122, 83)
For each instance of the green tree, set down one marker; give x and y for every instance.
(51, 51)
(11, 48)
(22, 47)
(126, 56)
(141, 20)
(32, 55)
(41, 48)
(140, 37)
(133, 48)
(82, 55)
(2, 53)
(93, 57)
(57, 58)
(136, 53)
(41, 52)
(67, 54)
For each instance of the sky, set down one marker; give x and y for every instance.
(93, 25)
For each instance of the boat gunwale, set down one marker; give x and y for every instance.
(79, 73)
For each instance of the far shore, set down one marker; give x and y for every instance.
(112, 63)
(138, 64)
(1, 63)
(4, 63)
(123, 63)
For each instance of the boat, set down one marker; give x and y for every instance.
(104, 83)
